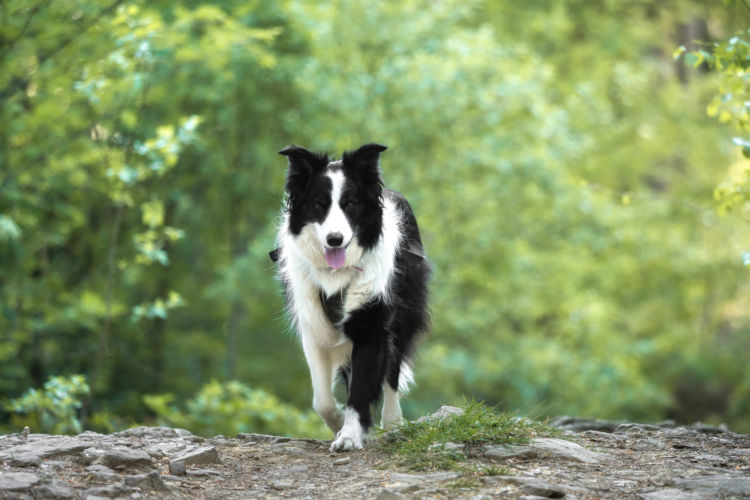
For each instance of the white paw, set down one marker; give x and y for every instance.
(351, 436)
(344, 442)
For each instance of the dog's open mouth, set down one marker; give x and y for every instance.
(335, 257)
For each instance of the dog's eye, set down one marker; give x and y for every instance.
(350, 204)
(318, 207)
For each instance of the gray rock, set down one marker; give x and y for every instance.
(42, 446)
(203, 472)
(99, 468)
(708, 429)
(117, 457)
(55, 489)
(585, 424)
(177, 479)
(636, 428)
(283, 484)
(102, 473)
(299, 469)
(262, 438)
(707, 458)
(502, 451)
(91, 435)
(152, 433)
(601, 436)
(648, 443)
(17, 481)
(151, 481)
(167, 448)
(387, 494)
(449, 446)
(199, 455)
(423, 478)
(559, 448)
(442, 413)
(533, 486)
(670, 494)
(567, 449)
(296, 452)
(105, 477)
(543, 489)
(680, 433)
(222, 442)
(53, 466)
(26, 460)
(111, 491)
(91, 455)
(177, 468)
(715, 485)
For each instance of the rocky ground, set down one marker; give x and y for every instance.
(597, 459)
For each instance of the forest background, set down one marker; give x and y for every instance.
(578, 189)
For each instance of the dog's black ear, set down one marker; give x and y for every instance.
(302, 164)
(365, 162)
(367, 153)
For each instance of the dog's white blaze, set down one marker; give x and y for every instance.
(335, 221)
(351, 436)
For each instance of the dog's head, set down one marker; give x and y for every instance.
(334, 208)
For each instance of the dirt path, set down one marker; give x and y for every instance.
(596, 460)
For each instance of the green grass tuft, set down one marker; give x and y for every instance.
(424, 445)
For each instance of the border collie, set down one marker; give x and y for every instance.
(355, 280)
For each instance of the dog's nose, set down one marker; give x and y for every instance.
(334, 239)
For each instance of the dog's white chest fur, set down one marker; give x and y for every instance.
(365, 276)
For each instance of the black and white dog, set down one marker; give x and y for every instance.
(355, 277)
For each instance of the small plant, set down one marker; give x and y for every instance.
(491, 470)
(54, 408)
(232, 407)
(442, 443)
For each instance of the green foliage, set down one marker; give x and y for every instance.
(54, 409)
(731, 104)
(232, 407)
(421, 445)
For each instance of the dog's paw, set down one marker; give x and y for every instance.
(345, 442)
(351, 436)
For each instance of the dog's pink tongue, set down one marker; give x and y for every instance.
(335, 257)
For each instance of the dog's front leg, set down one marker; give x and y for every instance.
(321, 374)
(366, 329)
